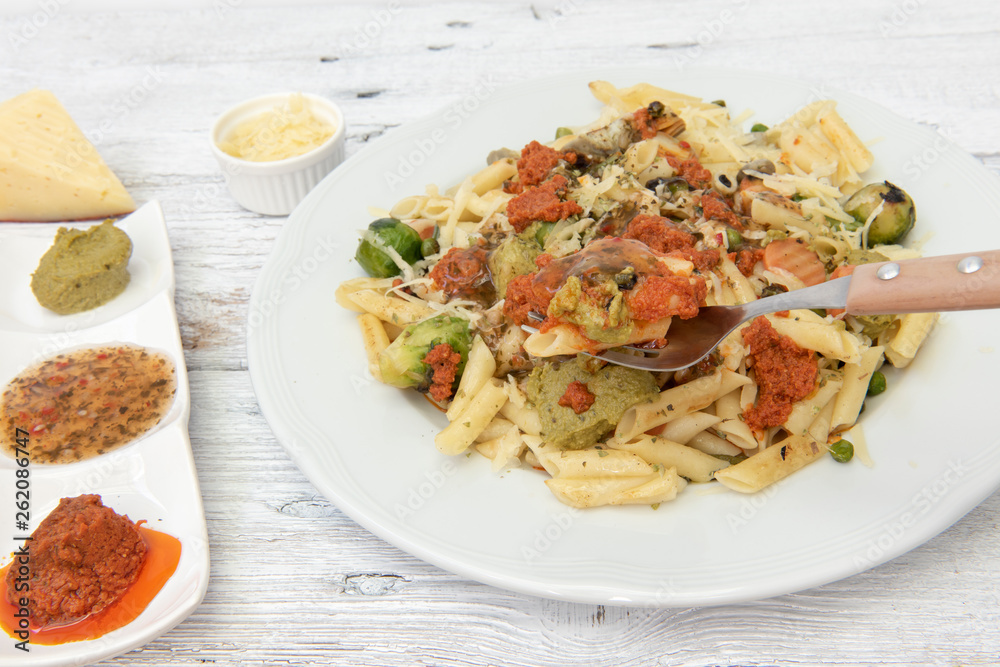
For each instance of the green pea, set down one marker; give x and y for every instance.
(563, 132)
(758, 127)
(877, 384)
(842, 451)
(733, 237)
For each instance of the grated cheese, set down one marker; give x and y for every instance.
(286, 131)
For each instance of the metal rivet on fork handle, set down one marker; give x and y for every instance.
(970, 264)
(888, 271)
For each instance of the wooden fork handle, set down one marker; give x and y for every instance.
(970, 281)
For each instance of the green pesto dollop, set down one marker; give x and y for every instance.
(615, 389)
(84, 269)
(514, 257)
(602, 314)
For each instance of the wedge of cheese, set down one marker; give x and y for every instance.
(48, 169)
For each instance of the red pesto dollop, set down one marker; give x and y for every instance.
(463, 273)
(444, 360)
(656, 297)
(541, 203)
(714, 207)
(785, 372)
(577, 397)
(642, 122)
(659, 234)
(664, 237)
(747, 258)
(691, 171)
(83, 557)
(536, 162)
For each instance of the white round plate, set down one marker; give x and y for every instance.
(369, 448)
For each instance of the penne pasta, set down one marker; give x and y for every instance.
(690, 463)
(479, 370)
(375, 339)
(772, 465)
(389, 308)
(520, 272)
(463, 431)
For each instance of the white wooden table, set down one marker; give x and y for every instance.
(293, 581)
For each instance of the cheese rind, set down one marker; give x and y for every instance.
(49, 171)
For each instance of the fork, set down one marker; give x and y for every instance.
(947, 283)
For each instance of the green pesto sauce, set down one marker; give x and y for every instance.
(84, 268)
(615, 389)
(604, 319)
(514, 257)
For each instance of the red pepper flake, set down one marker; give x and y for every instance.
(685, 145)
(83, 382)
(102, 356)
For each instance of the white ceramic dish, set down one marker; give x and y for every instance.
(275, 188)
(152, 478)
(369, 447)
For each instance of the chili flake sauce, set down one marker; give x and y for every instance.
(87, 402)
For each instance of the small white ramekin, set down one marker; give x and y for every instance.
(276, 187)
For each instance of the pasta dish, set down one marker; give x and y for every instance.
(493, 297)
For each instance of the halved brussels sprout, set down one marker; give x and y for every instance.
(402, 363)
(391, 233)
(895, 219)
